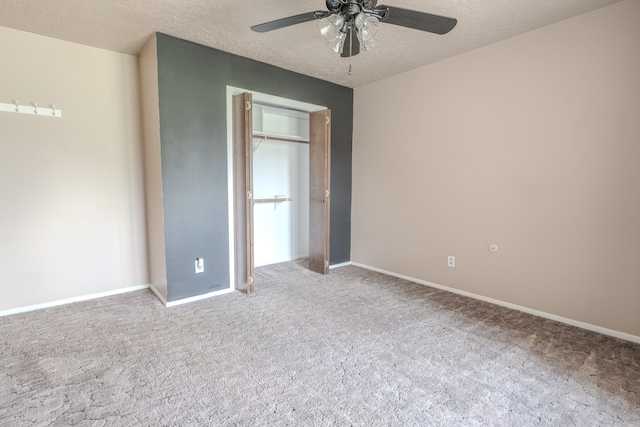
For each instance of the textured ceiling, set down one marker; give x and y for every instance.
(125, 25)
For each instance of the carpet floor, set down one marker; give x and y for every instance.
(352, 348)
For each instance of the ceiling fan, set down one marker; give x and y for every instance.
(349, 24)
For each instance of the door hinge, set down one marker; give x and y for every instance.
(326, 263)
(326, 193)
(249, 195)
(250, 280)
(328, 119)
(247, 105)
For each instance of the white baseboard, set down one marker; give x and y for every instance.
(190, 299)
(71, 300)
(158, 295)
(344, 264)
(572, 322)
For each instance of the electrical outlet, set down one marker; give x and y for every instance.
(199, 265)
(451, 261)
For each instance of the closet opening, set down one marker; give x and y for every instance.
(279, 200)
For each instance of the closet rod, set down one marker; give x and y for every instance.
(278, 200)
(277, 138)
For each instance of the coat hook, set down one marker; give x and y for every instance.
(53, 112)
(35, 108)
(17, 107)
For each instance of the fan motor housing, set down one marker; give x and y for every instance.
(350, 7)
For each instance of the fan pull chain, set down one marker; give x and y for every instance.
(350, 49)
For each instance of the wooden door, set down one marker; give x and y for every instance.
(319, 190)
(243, 191)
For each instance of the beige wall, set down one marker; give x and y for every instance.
(71, 189)
(532, 144)
(153, 167)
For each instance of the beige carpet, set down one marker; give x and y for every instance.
(351, 348)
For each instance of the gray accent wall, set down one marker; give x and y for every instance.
(192, 82)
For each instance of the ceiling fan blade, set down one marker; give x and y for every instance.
(351, 44)
(291, 20)
(418, 20)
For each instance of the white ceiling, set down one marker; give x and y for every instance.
(125, 25)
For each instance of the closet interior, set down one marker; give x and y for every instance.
(280, 184)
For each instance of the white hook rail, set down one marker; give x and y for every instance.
(31, 109)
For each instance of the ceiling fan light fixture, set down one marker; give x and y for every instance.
(338, 45)
(330, 26)
(367, 44)
(367, 28)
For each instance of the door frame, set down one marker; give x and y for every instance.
(260, 98)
